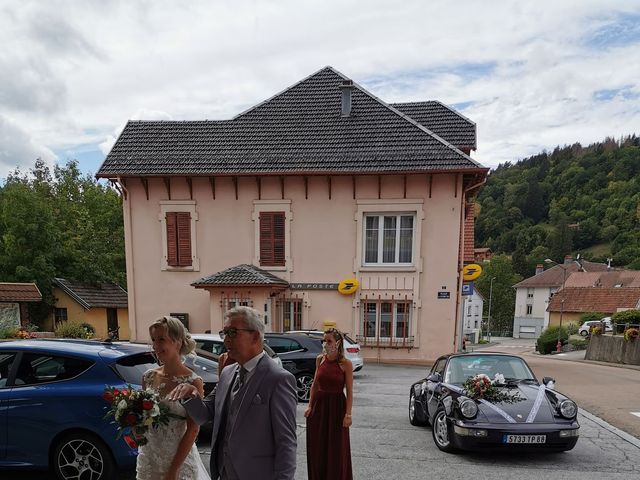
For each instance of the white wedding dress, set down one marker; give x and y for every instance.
(154, 458)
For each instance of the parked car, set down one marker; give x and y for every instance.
(51, 406)
(541, 419)
(585, 328)
(351, 347)
(212, 342)
(298, 353)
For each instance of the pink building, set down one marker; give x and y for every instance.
(274, 208)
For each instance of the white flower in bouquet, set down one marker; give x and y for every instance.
(498, 379)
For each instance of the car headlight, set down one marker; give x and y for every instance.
(568, 408)
(468, 408)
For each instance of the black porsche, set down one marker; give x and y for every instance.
(527, 413)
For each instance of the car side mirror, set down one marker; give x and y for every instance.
(549, 382)
(434, 377)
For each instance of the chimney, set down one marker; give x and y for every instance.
(346, 87)
(539, 268)
(568, 259)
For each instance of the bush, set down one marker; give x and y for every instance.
(572, 328)
(579, 343)
(549, 338)
(70, 329)
(628, 316)
(631, 334)
(591, 317)
(9, 332)
(89, 328)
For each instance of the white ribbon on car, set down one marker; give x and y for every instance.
(498, 410)
(536, 405)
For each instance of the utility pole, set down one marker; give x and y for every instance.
(489, 314)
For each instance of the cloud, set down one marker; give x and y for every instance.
(530, 74)
(18, 149)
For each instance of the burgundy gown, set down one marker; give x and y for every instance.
(328, 448)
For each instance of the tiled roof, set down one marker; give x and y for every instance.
(553, 277)
(102, 295)
(300, 130)
(19, 292)
(622, 278)
(445, 122)
(603, 300)
(241, 276)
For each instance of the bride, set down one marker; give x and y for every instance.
(171, 453)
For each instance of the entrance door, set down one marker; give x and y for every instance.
(112, 320)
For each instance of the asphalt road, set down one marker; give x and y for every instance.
(385, 446)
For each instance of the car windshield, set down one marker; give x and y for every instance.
(513, 369)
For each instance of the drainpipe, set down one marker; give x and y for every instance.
(128, 247)
(457, 339)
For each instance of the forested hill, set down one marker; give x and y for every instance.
(573, 200)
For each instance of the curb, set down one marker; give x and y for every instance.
(607, 426)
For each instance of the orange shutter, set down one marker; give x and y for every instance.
(184, 238)
(172, 239)
(272, 239)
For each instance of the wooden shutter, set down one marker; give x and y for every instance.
(272, 239)
(178, 239)
(172, 239)
(184, 238)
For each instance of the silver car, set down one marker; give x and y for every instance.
(351, 347)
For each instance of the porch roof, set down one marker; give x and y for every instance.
(241, 276)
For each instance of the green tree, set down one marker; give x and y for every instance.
(503, 295)
(64, 225)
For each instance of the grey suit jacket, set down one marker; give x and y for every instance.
(262, 442)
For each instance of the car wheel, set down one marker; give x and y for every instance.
(440, 432)
(584, 333)
(83, 455)
(414, 417)
(303, 384)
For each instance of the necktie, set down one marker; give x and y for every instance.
(242, 373)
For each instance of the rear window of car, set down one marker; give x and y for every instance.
(132, 367)
(37, 368)
(6, 361)
(283, 345)
(211, 346)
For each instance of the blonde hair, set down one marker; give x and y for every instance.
(338, 336)
(176, 331)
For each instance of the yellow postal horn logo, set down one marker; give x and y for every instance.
(348, 286)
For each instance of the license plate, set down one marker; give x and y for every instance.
(523, 439)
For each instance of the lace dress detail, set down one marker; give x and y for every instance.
(155, 457)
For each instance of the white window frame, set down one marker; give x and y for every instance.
(167, 206)
(380, 254)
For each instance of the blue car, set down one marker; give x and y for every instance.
(51, 406)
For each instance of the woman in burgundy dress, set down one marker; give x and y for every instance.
(329, 413)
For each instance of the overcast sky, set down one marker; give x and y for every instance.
(531, 74)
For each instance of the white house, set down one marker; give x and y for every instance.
(533, 295)
(472, 320)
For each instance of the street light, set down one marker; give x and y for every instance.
(489, 314)
(564, 279)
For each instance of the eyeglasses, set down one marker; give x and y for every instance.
(232, 332)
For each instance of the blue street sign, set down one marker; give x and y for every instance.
(467, 288)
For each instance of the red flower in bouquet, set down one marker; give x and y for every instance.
(481, 387)
(135, 411)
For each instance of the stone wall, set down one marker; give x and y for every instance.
(614, 349)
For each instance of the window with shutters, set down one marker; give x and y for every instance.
(272, 227)
(178, 224)
(179, 239)
(272, 239)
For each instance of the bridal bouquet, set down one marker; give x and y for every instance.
(134, 411)
(481, 387)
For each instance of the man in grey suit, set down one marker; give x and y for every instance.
(253, 407)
